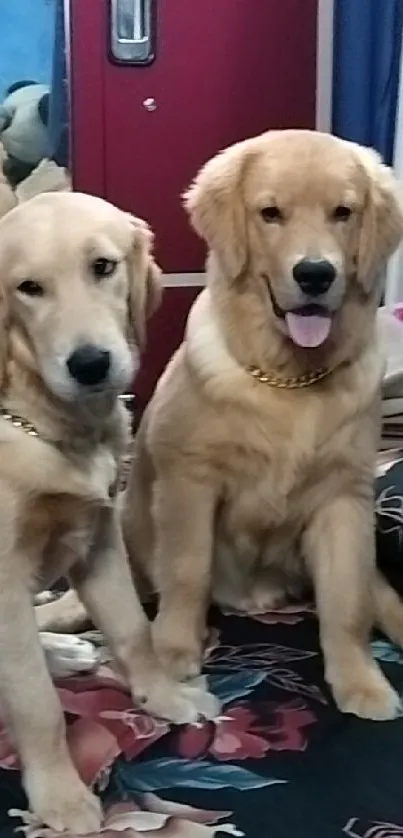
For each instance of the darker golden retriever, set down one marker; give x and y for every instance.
(255, 459)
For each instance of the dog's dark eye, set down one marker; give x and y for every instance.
(31, 288)
(341, 213)
(271, 214)
(103, 267)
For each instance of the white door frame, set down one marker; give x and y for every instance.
(324, 65)
(394, 274)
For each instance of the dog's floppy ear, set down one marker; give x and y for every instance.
(382, 222)
(215, 205)
(4, 329)
(4, 308)
(145, 286)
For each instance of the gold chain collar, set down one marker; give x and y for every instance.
(29, 428)
(25, 425)
(295, 382)
(18, 422)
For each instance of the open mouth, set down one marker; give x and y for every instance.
(308, 326)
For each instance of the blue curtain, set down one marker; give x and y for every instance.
(367, 47)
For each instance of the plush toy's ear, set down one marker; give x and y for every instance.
(145, 286)
(382, 222)
(18, 85)
(215, 204)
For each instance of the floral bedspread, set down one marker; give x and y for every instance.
(303, 768)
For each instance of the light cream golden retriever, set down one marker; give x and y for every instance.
(77, 281)
(255, 457)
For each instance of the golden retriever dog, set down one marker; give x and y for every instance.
(77, 280)
(255, 459)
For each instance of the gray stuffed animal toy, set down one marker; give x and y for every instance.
(24, 117)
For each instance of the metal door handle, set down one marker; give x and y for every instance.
(132, 36)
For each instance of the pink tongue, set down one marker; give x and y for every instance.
(308, 330)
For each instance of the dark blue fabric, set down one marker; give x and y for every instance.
(367, 47)
(59, 104)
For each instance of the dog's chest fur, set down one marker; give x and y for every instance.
(277, 469)
(59, 530)
(277, 463)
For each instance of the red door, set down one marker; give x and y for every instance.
(223, 70)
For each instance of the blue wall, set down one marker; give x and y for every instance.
(26, 41)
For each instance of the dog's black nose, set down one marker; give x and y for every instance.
(89, 364)
(314, 276)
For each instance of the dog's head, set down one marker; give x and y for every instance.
(302, 220)
(77, 282)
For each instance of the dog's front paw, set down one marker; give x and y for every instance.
(177, 703)
(64, 803)
(203, 702)
(371, 697)
(183, 704)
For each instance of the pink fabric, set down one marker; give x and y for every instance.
(398, 311)
(102, 725)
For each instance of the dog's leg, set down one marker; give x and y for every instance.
(183, 518)
(32, 710)
(339, 546)
(106, 588)
(388, 610)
